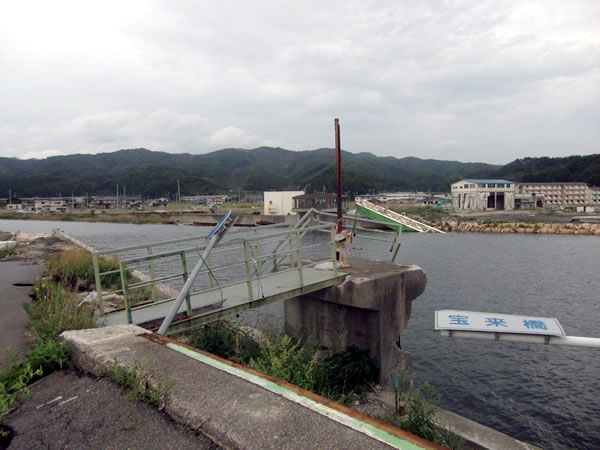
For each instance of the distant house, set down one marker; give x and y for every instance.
(322, 201)
(135, 203)
(15, 204)
(158, 202)
(51, 205)
(103, 202)
(219, 199)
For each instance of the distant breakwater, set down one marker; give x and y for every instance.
(590, 229)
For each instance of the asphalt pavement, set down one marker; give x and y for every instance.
(16, 281)
(70, 410)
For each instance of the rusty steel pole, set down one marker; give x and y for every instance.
(338, 174)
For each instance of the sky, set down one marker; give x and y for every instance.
(466, 80)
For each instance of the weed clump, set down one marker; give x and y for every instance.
(342, 375)
(416, 412)
(13, 389)
(226, 339)
(75, 268)
(55, 310)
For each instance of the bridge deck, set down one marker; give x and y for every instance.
(206, 305)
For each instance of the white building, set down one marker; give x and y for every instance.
(279, 203)
(483, 195)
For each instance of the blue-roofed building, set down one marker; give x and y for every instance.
(473, 194)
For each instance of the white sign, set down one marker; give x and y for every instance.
(449, 319)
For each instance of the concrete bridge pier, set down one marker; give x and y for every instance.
(369, 309)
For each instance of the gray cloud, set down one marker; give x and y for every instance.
(467, 80)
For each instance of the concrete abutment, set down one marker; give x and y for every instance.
(369, 309)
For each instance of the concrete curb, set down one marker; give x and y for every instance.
(234, 406)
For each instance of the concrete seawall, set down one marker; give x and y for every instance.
(234, 406)
(588, 229)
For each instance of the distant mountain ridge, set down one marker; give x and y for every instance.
(154, 174)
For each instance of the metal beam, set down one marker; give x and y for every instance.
(575, 341)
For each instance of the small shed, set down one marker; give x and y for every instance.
(279, 202)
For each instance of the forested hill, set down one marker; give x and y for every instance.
(571, 168)
(156, 173)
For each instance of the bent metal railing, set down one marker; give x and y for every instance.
(271, 248)
(149, 249)
(252, 264)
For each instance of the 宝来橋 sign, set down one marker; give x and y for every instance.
(449, 319)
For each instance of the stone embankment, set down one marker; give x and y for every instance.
(518, 227)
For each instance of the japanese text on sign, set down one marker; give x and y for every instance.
(496, 323)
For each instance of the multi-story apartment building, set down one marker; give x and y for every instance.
(595, 195)
(485, 195)
(559, 194)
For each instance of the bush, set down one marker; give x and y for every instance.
(75, 268)
(288, 360)
(348, 371)
(340, 375)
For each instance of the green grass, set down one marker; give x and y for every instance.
(135, 381)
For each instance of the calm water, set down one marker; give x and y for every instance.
(544, 395)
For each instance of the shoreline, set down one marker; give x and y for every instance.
(451, 224)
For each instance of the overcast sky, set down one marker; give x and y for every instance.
(469, 80)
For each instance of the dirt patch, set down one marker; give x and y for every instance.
(37, 248)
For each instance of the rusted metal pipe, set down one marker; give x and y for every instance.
(338, 174)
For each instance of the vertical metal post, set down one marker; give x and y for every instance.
(257, 255)
(125, 284)
(299, 255)
(248, 274)
(338, 176)
(151, 267)
(211, 281)
(188, 302)
(291, 248)
(397, 239)
(98, 283)
(333, 252)
(275, 269)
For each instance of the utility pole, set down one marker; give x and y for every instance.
(10, 197)
(178, 196)
(338, 173)
(117, 196)
(124, 197)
